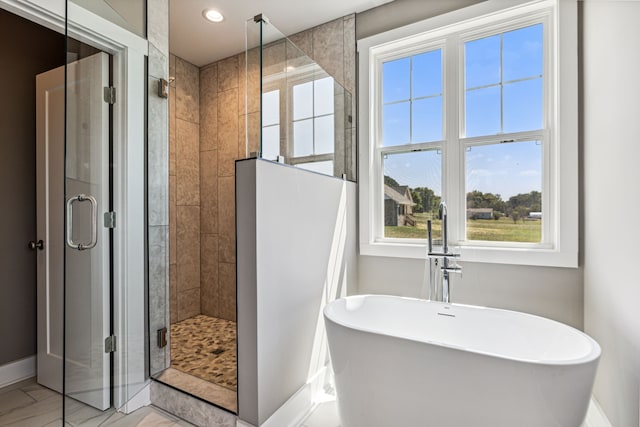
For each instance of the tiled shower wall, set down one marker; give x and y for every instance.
(207, 134)
(184, 190)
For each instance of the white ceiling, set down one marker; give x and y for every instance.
(201, 42)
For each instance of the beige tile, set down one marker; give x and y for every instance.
(14, 399)
(328, 48)
(242, 137)
(209, 192)
(172, 219)
(226, 206)
(188, 247)
(227, 249)
(350, 55)
(209, 275)
(227, 305)
(274, 59)
(227, 132)
(172, 70)
(173, 294)
(187, 92)
(228, 74)
(188, 164)
(172, 130)
(303, 41)
(242, 84)
(209, 108)
(188, 303)
(254, 133)
(253, 82)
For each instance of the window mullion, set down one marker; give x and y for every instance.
(453, 95)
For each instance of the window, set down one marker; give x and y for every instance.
(312, 123)
(472, 108)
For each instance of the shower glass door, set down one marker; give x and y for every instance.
(88, 344)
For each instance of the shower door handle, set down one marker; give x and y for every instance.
(94, 222)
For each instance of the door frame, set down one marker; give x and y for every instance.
(129, 79)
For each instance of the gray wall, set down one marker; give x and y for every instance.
(25, 50)
(403, 12)
(556, 293)
(611, 59)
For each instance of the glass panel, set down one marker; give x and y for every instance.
(427, 120)
(303, 138)
(426, 74)
(271, 142)
(522, 53)
(412, 193)
(482, 111)
(323, 135)
(325, 167)
(303, 101)
(504, 185)
(271, 108)
(315, 111)
(87, 193)
(323, 96)
(396, 124)
(523, 105)
(396, 81)
(482, 62)
(128, 14)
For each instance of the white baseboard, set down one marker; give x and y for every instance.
(596, 416)
(300, 405)
(17, 371)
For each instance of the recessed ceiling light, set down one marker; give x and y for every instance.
(212, 15)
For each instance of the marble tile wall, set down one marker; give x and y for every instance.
(158, 180)
(184, 189)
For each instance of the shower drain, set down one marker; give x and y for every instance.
(217, 351)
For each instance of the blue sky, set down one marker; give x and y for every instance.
(503, 93)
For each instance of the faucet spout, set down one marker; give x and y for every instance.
(446, 267)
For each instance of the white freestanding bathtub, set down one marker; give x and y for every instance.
(409, 362)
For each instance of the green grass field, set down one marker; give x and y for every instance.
(502, 230)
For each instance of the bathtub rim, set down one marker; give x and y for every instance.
(592, 356)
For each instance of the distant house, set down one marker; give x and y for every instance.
(480, 213)
(535, 215)
(398, 206)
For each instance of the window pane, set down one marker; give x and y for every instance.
(325, 167)
(504, 199)
(427, 74)
(271, 142)
(396, 124)
(523, 105)
(323, 96)
(323, 135)
(303, 101)
(482, 107)
(396, 80)
(271, 108)
(303, 138)
(482, 61)
(522, 53)
(412, 193)
(427, 120)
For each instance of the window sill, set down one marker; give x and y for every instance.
(489, 255)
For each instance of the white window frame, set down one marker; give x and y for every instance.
(560, 153)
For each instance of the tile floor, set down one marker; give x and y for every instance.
(28, 404)
(205, 347)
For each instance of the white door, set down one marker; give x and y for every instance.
(73, 267)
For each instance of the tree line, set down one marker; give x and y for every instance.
(516, 207)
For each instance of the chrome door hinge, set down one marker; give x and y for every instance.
(110, 344)
(109, 220)
(110, 95)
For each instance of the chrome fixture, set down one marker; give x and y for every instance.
(448, 266)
